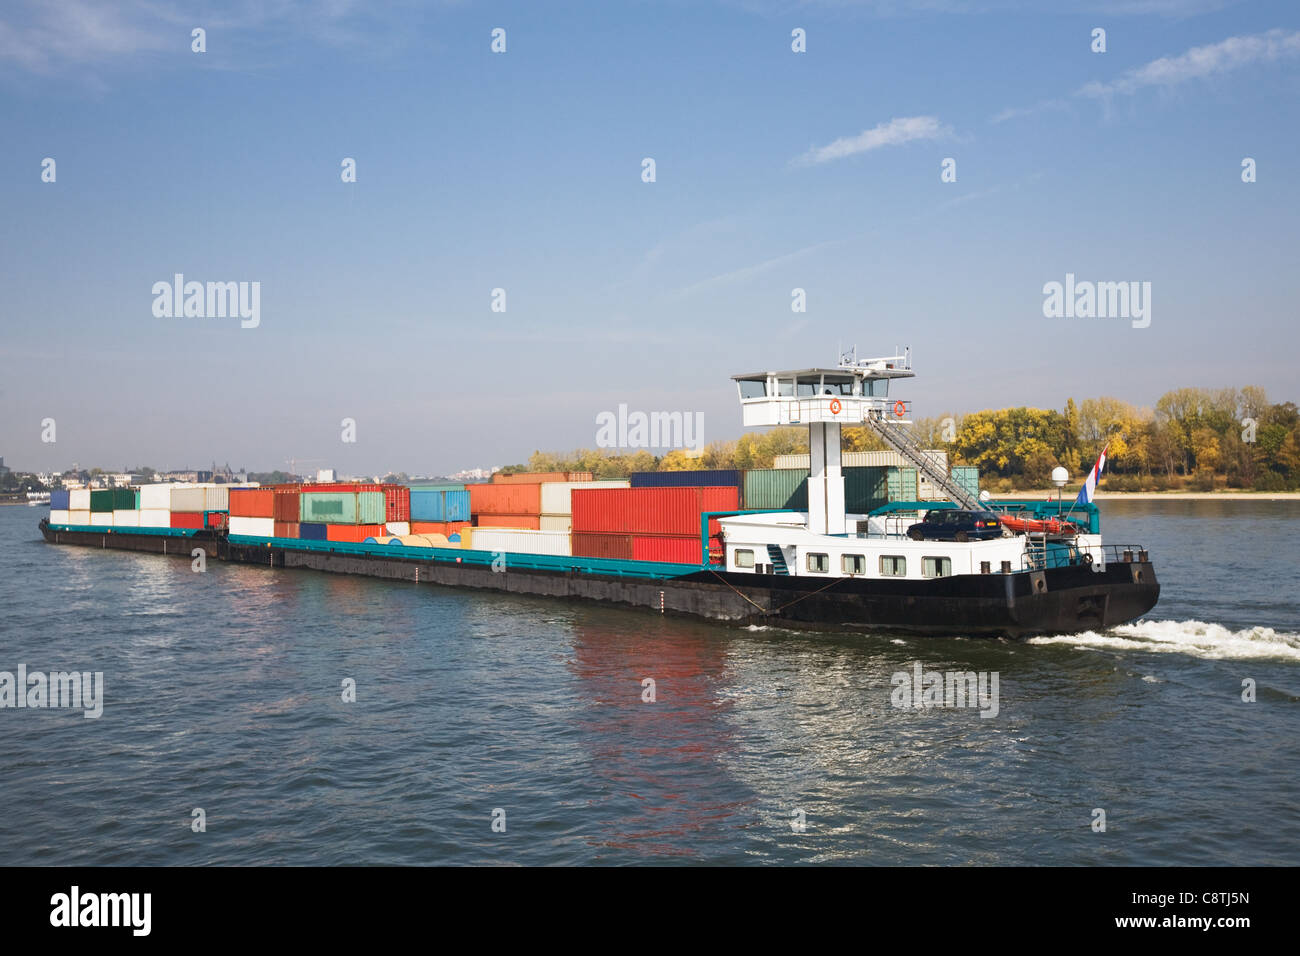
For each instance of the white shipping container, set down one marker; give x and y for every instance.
(557, 523)
(59, 517)
(155, 497)
(521, 541)
(189, 498)
(104, 518)
(155, 518)
(79, 500)
(399, 529)
(556, 497)
(260, 527)
(123, 518)
(79, 517)
(864, 459)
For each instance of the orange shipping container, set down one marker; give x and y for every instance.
(533, 522)
(354, 533)
(446, 528)
(529, 477)
(286, 529)
(505, 499)
(252, 503)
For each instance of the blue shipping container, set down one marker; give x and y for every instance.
(439, 505)
(60, 500)
(685, 479)
(311, 532)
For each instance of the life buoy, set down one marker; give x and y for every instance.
(1087, 558)
(835, 406)
(899, 409)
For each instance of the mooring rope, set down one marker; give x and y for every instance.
(777, 610)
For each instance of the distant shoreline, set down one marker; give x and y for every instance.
(1166, 495)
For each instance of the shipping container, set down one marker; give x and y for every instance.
(557, 495)
(532, 521)
(444, 528)
(397, 498)
(589, 545)
(672, 548)
(287, 504)
(967, 478)
(187, 519)
(353, 533)
(903, 485)
(775, 489)
(218, 519)
(397, 528)
(437, 486)
(79, 517)
(434, 504)
(60, 516)
(865, 489)
(536, 477)
(188, 498)
(861, 459)
(156, 497)
(59, 500)
(285, 529)
(556, 523)
(155, 518)
(126, 518)
(517, 541)
(79, 500)
(343, 507)
(311, 531)
(670, 510)
(101, 518)
(505, 499)
(684, 479)
(252, 503)
(259, 527)
(114, 499)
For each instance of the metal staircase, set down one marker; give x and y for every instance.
(900, 439)
(777, 560)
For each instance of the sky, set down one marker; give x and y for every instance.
(524, 171)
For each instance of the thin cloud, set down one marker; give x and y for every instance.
(1201, 62)
(1017, 112)
(748, 272)
(903, 129)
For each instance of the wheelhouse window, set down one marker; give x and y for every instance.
(744, 558)
(752, 389)
(936, 567)
(854, 564)
(893, 566)
(819, 563)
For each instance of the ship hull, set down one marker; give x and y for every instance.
(1053, 601)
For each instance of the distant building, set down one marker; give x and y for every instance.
(325, 474)
(4, 470)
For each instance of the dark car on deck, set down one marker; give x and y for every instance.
(952, 525)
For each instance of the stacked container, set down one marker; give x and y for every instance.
(507, 504)
(685, 479)
(557, 501)
(537, 477)
(516, 541)
(252, 511)
(648, 523)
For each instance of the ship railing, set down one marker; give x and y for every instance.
(1062, 555)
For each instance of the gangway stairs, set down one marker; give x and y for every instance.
(900, 439)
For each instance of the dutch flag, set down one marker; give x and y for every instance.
(1094, 478)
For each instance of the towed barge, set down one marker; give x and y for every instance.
(820, 569)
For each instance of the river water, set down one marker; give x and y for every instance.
(223, 693)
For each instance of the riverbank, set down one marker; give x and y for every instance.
(1163, 495)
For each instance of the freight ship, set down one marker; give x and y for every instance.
(825, 547)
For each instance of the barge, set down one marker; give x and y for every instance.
(818, 568)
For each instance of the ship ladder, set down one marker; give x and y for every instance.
(777, 560)
(902, 441)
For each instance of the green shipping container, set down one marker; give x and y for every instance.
(903, 484)
(115, 499)
(865, 489)
(342, 507)
(967, 478)
(774, 489)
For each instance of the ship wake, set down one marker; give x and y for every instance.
(1193, 638)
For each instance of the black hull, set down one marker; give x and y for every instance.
(1054, 601)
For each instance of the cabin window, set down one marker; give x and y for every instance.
(744, 558)
(893, 565)
(854, 564)
(806, 389)
(752, 389)
(785, 387)
(936, 567)
(819, 563)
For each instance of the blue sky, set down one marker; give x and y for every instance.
(522, 170)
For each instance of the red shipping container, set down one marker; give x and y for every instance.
(588, 545)
(649, 510)
(532, 522)
(287, 506)
(353, 533)
(252, 503)
(286, 529)
(505, 499)
(216, 519)
(187, 519)
(672, 548)
(529, 477)
(447, 528)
